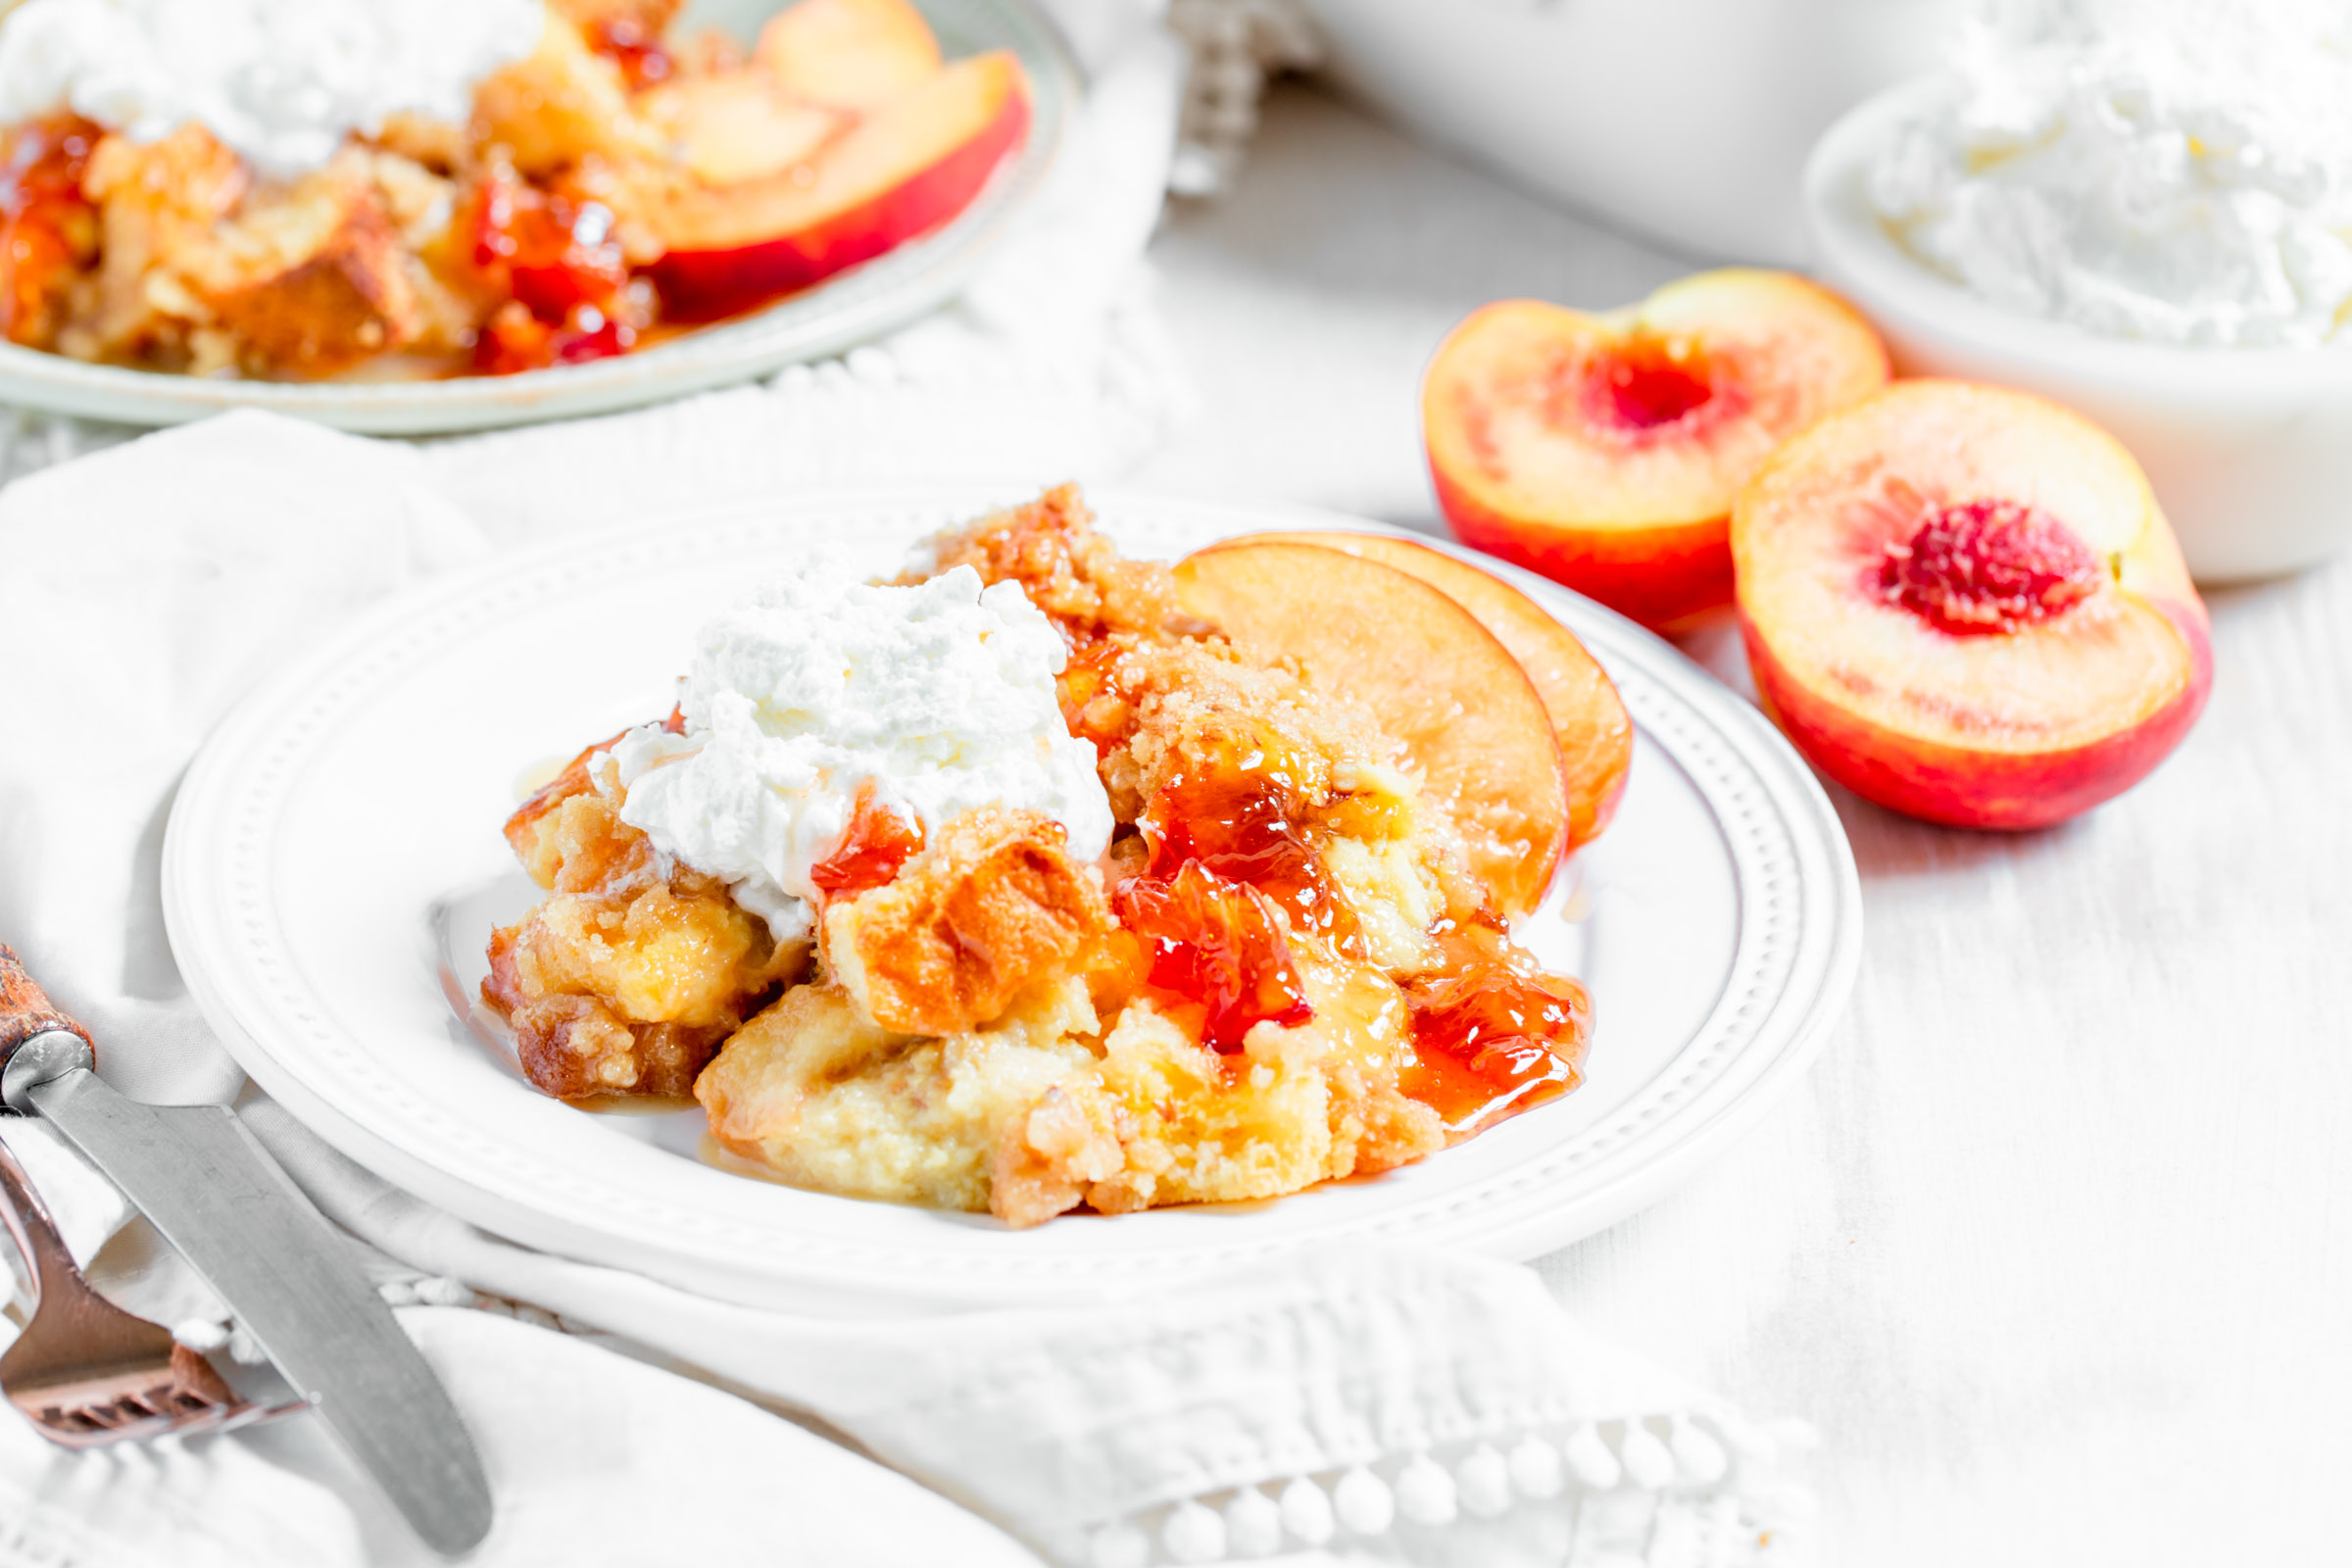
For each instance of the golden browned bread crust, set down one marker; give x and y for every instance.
(627, 978)
(993, 900)
(347, 298)
(1071, 572)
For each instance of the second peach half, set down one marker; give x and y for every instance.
(1604, 451)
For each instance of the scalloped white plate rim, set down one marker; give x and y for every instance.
(858, 305)
(1798, 943)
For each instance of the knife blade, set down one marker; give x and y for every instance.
(204, 1183)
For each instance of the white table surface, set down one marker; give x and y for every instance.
(2055, 1243)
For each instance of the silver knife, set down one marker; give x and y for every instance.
(224, 1205)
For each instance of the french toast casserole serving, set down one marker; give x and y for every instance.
(1016, 885)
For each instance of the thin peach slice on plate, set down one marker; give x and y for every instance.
(1604, 451)
(908, 168)
(1962, 603)
(1435, 678)
(732, 128)
(847, 54)
(1588, 718)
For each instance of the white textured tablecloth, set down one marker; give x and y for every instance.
(2054, 1240)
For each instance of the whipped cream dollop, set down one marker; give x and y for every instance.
(281, 81)
(2179, 170)
(937, 697)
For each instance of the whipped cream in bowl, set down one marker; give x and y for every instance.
(283, 83)
(930, 700)
(2161, 172)
(2141, 210)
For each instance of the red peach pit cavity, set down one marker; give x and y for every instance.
(1985, 568)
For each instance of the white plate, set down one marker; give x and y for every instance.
(889, 291)
(334, 864)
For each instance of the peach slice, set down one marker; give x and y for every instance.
(849, 54)
(911, 166)
(1962, 602)
(1434, 677)
(737, 127)
(1604, 451)
(1588, 718)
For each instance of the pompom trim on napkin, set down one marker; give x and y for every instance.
(1656, 1490)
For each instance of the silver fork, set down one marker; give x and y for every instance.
(85, 1371)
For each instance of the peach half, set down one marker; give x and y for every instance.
(1588, 718)
(1604, 451)
(1962, 603)
(1434, 677)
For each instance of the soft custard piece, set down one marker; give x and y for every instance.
(1298, 1105)
(820, 1094)
(1041, 1111)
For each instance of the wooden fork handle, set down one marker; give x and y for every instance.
(25, 1011)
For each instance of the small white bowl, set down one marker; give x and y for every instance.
(2249, 450)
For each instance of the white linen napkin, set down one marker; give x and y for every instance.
(1355, 1405)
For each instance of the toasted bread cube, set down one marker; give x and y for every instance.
(340, 291)
(968, 923)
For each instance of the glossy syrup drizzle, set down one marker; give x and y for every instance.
(1218, 945)
(48, 229)
(1242, 822)
(564, 265)
(1229, 846)
(1491, 1035)
(877, 844)
(635, 48)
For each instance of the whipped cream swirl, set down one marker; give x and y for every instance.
(281, 81)
(938, 698)
(2178, 171)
